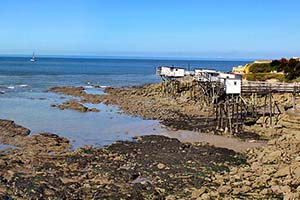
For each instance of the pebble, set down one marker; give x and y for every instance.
(161, 166)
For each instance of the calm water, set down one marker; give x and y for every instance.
(25, 101)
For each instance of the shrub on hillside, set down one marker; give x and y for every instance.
(283, 64)
(264, 77)
(275, 65)
(260, 68)
(261, 71)
(292, 69)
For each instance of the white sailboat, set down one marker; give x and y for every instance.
(32, 58)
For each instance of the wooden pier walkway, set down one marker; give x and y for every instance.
(267, 87)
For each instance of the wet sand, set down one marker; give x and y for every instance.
(215, 140)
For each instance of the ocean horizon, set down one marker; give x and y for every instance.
(124, 57)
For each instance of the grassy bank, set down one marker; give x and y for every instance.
(264, 77)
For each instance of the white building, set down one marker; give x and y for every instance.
(223, 75)
(189, 73)
(233, 84)
(170, 71)
(206, 75)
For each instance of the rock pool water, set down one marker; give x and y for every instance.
(33, 110)
(6, 146)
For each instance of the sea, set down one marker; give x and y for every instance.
(25, 100)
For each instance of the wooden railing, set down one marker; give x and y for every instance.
(266, 87)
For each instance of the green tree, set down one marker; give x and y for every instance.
(283, 64)
(297, 69)
(292, 70)
(275, 65)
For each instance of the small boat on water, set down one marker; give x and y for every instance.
(32, 58)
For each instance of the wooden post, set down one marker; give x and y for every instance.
(294, 101)
(271, 108)
(216, 116)
(237, 117)
(232, 117)
(264, 113)
(255, 105)
(279, 112)
(164, 89)
(225, 117)
(221, 116)
(229, 113)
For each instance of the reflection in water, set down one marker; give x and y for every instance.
(6, 146)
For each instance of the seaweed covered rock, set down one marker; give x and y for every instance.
(73, 104)
(8, 128)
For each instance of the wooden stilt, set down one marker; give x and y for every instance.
(264, 112)
(237, 117)
(271, 109)
(294, 101)
(230, 122)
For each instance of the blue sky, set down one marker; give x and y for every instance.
(154, 28)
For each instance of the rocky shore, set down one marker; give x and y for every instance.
(41, 166)
(271, 172)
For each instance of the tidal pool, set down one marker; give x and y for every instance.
(33, 110)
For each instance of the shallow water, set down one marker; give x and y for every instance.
(94, 91)
(6, 146)
(98, 129)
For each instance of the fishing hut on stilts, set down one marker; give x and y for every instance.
(232, 101)
(269, 109)
(231, 110)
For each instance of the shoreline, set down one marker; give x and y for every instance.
(182, 132)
